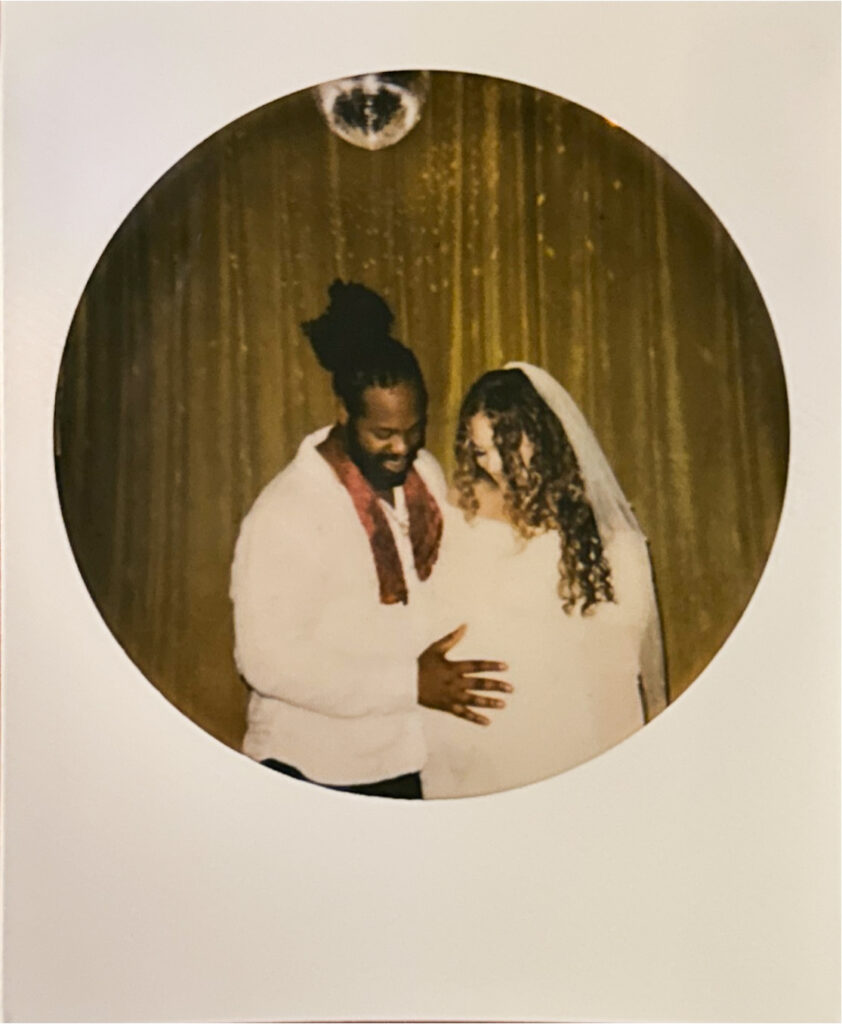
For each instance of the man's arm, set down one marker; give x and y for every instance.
(297, 643)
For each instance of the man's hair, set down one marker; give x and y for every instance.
(352, 342)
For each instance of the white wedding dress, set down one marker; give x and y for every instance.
(580, 682)
(575, 677)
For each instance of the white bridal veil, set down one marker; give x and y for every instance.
(612, 513)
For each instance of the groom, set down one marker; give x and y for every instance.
(331, 578)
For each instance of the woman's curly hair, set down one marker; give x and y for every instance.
(547, 493)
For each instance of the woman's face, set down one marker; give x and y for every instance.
(486, 453)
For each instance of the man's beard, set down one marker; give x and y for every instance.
(373, 467)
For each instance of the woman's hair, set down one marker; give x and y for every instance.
(547, 493)
(352, 342)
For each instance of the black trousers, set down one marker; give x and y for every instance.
(404, 787)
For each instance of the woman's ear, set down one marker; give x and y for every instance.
(342, 414)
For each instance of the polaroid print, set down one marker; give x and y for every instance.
(396, 447)
(536, 349)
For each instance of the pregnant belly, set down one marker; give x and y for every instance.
(572, 700)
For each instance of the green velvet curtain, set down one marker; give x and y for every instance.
(509, 224)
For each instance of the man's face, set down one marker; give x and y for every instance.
(385, 439)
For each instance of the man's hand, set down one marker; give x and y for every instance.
(448, 685)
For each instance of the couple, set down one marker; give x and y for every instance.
(359, 581)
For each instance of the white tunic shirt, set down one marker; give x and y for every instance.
(397, 516)
(333, 671)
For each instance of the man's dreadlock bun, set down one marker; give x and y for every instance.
(353, 330)
(351, 340)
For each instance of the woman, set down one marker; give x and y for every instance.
(544, 560)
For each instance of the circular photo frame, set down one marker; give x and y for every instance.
(519, 311)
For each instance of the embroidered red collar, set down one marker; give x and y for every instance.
(425, 521)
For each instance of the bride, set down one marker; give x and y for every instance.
(544, 561)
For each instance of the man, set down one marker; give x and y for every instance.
(330, 577)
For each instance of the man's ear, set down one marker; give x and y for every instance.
(342, 414)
